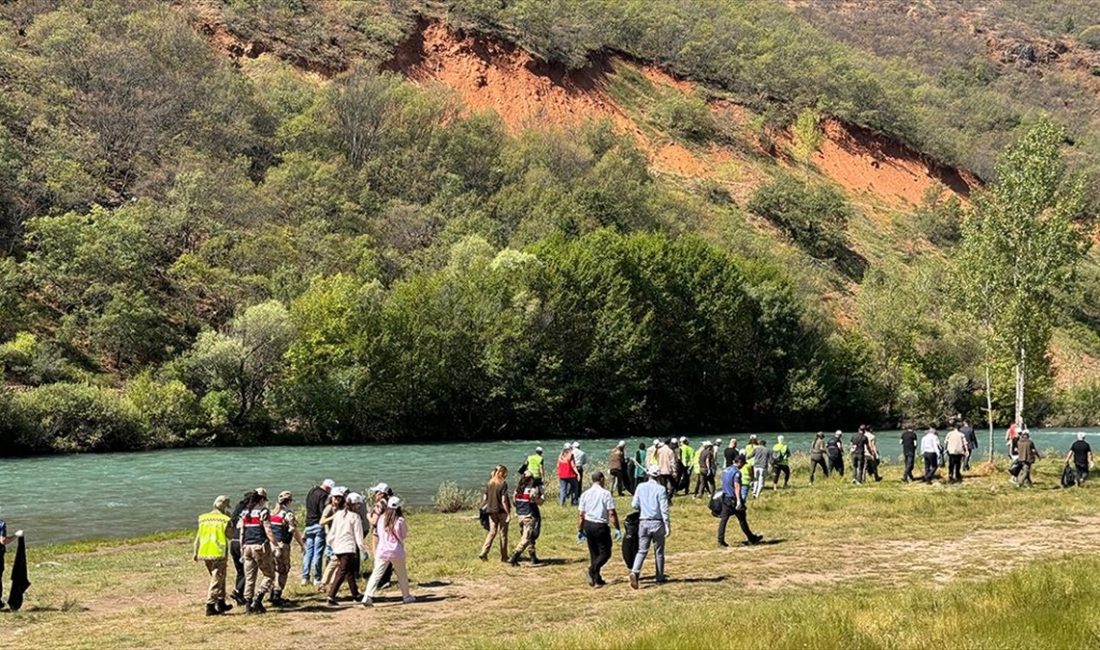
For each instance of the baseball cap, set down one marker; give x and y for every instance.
(328, 484)
(683, 439)
(394, 503)
(339, 491)
(653, 470)
(381, 487)
(567, 446)
(538, 450)
(285, 496)
(576, 445)
(622, 443)
(262, 492)
(355, 497)
(221, 502)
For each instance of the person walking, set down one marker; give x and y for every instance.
(595, 508)
(817, 456)
(955, 443)
(336, 500)
(314, 552)
(705, 470)
(1012, 439)
(580, 459)
(909, 453)
(1028, 454)
(859, 455)
(734, 495)
(346, 538)
(971, 442)
(235, 551)
(1081, 454)
(392, 531)
(654, 527)
(536, 466)
(567, 476)
(499, 507)
(285, 530)
(834, 449)
(781, 463)
(527, 500)
(616, 465)
(686, 464)
(930, 449)
(257, 540)
(873, 458)
(731, 452)
(666, 463)
(212, 549)
(381, 494)
(761, 458)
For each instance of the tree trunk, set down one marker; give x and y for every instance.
(989, 411)
(1020, 387)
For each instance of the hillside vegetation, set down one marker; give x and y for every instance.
(341, 221)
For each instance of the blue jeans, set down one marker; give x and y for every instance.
(651, 533)
(315, 547)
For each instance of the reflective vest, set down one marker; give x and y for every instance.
(784, 452)
(213, 543)
(687, 454)
(534, 465)
(280, 527)
(252, 521)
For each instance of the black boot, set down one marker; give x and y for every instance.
(257, 606)
(277, 598)
(239, 597)
(514, 560)
(223, 606)
(534, 559)
(212, 610)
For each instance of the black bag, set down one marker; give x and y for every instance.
(483, 515)
(1069, 477)
(19, 581)
(716, 504)
(1015, 468)
(630, 538)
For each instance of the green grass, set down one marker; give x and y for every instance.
(981, 565)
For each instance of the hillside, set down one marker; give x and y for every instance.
(245, 221)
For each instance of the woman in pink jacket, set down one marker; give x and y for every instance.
(392, 532)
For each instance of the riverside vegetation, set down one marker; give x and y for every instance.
(886, 565)
(197, 251)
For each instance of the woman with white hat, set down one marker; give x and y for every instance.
(392, 532)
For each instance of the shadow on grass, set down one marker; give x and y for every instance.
(34, 609)
(697, 580)
(553, 561)
(766, 542)
(433, 584)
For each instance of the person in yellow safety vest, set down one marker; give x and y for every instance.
(749, 449)
(781, 463)
(212, 547)
(536, 466)
(285, 529)
(687, 458)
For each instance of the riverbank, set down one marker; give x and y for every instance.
(887, 565)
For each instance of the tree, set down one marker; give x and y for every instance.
(807, 135)
(1020, 243)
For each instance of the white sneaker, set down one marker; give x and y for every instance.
(408, 599)
(304, 582)
(367, 602)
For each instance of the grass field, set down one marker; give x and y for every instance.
(981, 565)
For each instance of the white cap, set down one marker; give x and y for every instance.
(622, 443)
(656, 442)
(338, 491)
(538, 450)
(381, 487)
(683, 439)
(576, 445)
(706, 443)
(654, 470)
(394, 503)
(328, 484)
(1080, 435)
(780, 438)
(839, 432)
(355, 497)
(566, 446)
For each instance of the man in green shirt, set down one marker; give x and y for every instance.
(781, 463)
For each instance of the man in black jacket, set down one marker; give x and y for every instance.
(314, 532)
(909, 451)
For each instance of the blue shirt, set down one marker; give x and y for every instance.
(730, 476)
(651, 500)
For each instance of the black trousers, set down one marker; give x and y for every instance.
(836, 464)
(617, 481)
(704, 482)
(931, 461)
(1, 576)
(910, 459)
(814, 464)
(954, 467)
(598, 537)
(781, 469)
(729, 508)
(238, 564)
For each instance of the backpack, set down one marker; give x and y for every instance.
(1069, 477)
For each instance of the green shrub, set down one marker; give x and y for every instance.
(26, 359)
(940, 221)
(1077, 407)
(815, 217)
(168, 411)
(687, 116)
(451, 498)
(66, 417)
(1090, 37)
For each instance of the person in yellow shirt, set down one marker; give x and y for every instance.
(212, 548)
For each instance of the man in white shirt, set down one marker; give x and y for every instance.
(595, 509)
(956, 452)
(580, 459)
(930, 448)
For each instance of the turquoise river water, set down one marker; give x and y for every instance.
(89, 496)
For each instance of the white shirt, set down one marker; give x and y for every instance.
(346, 534)
(595, 504)
(930, 444)
(580, 458)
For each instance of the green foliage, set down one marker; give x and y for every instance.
(940, 218)
(63, 417)
(807, 134)
(814, 216)
(167, 410)
(1090, 37)
(451, 498)
(686, 115)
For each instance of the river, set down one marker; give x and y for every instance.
(91, 496)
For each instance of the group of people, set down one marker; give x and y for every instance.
(339, 530)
